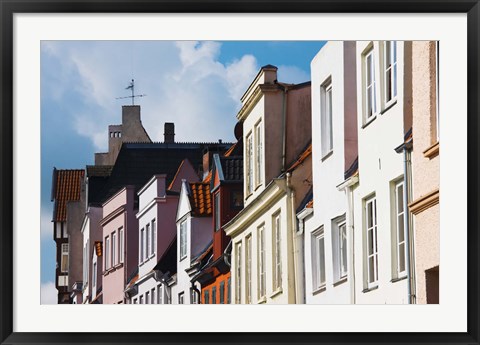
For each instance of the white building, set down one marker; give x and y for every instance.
(334, 140)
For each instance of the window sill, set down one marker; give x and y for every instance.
(340, 281)
(276, 292)
(369, 121)
(388, 106)
(319, 290)
(325, 156)
(262, 300)
(433, 151)
(370, 289)
(397, 279)
(257, 187)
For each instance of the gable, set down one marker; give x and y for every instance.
(184, 206)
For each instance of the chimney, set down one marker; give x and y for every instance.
(169, 132)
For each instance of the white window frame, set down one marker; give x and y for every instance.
(277, 251)
(148, 234)
(64, 257)
(326, 117)
(258, 154)
(369, 69)
(121, 244)
(319, 276)
(159, 294)
(142, 244)
(399, 227)
(147, 297)
(183, 240)
(181, 298)
(249, 164)
(94, 276)
(153, 242)
(340, 248)
(217, 212)
(114, 248)
(390, 66)
(261, 263)
(238, 273)
(141, 299)
(248, 269)
(371, 258)
(107, 252)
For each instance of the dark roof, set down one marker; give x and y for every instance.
(168, 261)
(307, 201)
(352, 169)
(99, 170)
(138, 162)
(66, 186)
(232, 168)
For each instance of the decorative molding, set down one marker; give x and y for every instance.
(433, 151)
(424, 202)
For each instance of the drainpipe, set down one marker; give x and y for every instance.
(406, 178)
(284, 126)
(298, 291)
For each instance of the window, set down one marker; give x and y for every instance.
(370, 87)
(390, 70)
(237, 200)
(222, 292)
(326, 118)
(153, 295)
(318, 259)
(135, 301)
(147, 241)
(217, 212)
(154, 237)
(183, 240)
(147, 297)
(261, 262)
(259, 153)
(114, 247)
(206, 297)
(64, 262)
(121, 245)
(107, 251)
(399, 229)
(277, 256)
(94, 273)
(248, 270)
(214, 295)
(141, 299)
(238, 274)
(229, 290)
(142, 240)
(85, 263)
(371, 241)
(339, 246)
(193, 296)
(159, 294)
(180, 298)
(249, 167)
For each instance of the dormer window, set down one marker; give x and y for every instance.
(249, 165)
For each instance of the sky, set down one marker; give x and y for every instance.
(197, 85)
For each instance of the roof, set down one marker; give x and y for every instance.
(232, 168)
(99, 170)
(98, 248)
(200, 199)
(66, 186)
(307, 201)
(301, 158)
(132, 282)
(168, 261)
(352, 169)
(138, 162)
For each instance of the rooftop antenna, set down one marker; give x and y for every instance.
(131, 87)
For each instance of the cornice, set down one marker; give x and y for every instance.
(425, 202)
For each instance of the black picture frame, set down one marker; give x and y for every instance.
(10, 7)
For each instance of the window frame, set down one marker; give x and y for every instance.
(142, 244)
(114, 248)
(374, 255)
(183, 240)
(249, 175)
(181, 298)
(319, 275)
(153, 242)
(262, 258)
(248, 269)
(399, 230)
(326, 117)
(121, 245)
(258, 147)
(370, 51)
(394, 76)
(222, 292)
(147, 241)
(238, 273)
(277, 252)
(107, 252)
(64, 257)
(217, 217)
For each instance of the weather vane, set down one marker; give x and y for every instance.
(131, 87)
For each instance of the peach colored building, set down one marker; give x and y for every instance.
(120, 236)
(426, 171)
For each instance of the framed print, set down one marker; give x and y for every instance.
(251, 172)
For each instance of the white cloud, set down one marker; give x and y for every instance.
(48, 293)
(292, 74)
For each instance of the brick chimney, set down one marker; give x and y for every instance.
(169, 132)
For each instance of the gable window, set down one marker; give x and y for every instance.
(222, 292)
(114, 248)
(258, 153)
(261, 262)
(369, 85)
(217, 212)
(277, 255)
(326, 117)
(248, 269)
(399, 212)
(107, 252)
(390, 70)
(147, 241)
(94, 277)
(238, 274)
(183, 240)
(121, 245)
(339, 240)
(64, 260)
(249, 165)
(154, 237)
(318, 259)
(142, 245)
(371, 242)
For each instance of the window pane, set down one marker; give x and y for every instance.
(401, 229)
(321, 249)
(371, 269)
(401, 257)
(400, 198)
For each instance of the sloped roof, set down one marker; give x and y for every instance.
(301, 158)
(168, 261)
(232, 168)
(66, 186)
(99, 170)
(200, 199)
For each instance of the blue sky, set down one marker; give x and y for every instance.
(197, 85)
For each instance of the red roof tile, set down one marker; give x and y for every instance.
(67, 187)
(230, 150)
(310, 204)
(98, 248)
(208, 178)
(303, 156)
(200, 199)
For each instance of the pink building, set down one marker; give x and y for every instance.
(120, 236)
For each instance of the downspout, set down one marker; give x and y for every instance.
(406, 189)
(351, 237)
(293, 219)
(284, 126)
